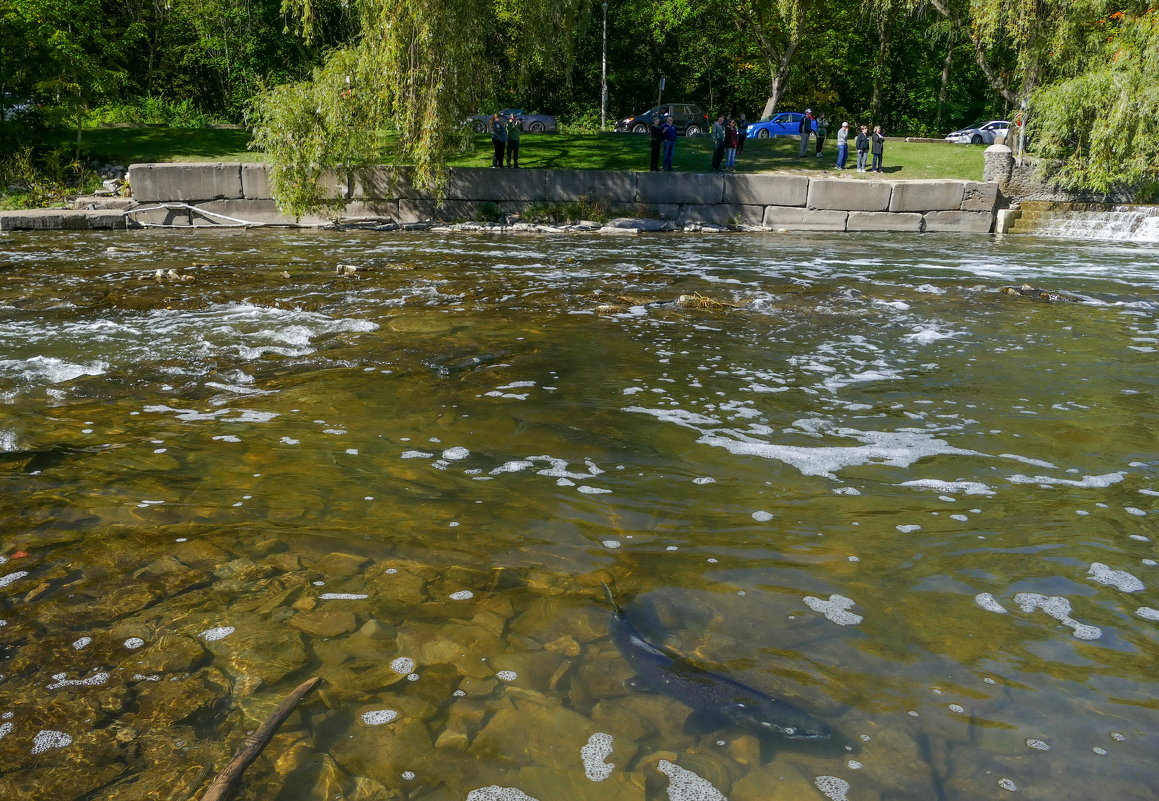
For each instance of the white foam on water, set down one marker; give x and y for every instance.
(1119, 579)
(40, 370)
(415, 455)
(927, 336)
(403, 665)
(846, 491)
(949, 487)
(1038, 745)
(11, 577)
(1059, 608)
(684, 785)
(594, 755)
(47, 739)
(507, 675)
(133, 643)
(1086, 482)
(407, 775)
(1147, 613)
(62, 680)
(957, 708)
(704, 480)
(762, 517)
(6, 729)
(456, 454)
(1099, 750)
(832, 787)
(853, 764)
(908, 529)
(586, 490)
(219, 633)
(343, 596)
(1134, 510)
(1118, 736)
(377, 717)
(1006, 784)
(989, 603)
(462, 595)
(612, 544)
(835, 609)
(497, 793)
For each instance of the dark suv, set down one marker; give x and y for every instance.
(688, 118)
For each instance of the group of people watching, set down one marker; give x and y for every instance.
(865, 143)
(505, 135)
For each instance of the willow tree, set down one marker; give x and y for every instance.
(416, 68)
(1096, 128)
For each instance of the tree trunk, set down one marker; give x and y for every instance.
(884, 32)
(944, 86)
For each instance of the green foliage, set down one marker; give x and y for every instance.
(38, 182)
(563, 213)
(153, 111)
(1100, 124)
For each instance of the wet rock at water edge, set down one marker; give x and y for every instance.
(1028, 291)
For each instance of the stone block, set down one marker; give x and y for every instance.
(152, 183)
(60, 220)
(388, 183)
(1005, 219)
(798, 219)
(977, 196)
(924, 196)
(484, 184)
(967, 222)
(766, 190)
(677, 187)
(721, 214)
(412, 210)
(842, 194)
(884, 221)
(372, 207)
(564, 186)
(255, 182)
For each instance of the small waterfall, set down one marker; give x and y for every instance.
(1090, 221)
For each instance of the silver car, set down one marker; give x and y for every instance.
(980, 133)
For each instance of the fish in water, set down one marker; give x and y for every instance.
(712, 697)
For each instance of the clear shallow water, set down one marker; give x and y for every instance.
(922, 509)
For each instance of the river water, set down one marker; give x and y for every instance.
(922, 510)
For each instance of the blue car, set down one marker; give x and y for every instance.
(787, 123)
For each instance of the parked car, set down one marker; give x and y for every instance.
(689, 119)
(787, 123)
(980, 133)
(532, 123)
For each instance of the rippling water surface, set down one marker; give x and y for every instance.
(922, 510)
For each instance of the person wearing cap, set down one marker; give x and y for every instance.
(842, 145)
(806, 129)
(668, 132)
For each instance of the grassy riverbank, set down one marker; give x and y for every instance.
(555, 151)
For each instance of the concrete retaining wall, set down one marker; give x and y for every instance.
(778, 201)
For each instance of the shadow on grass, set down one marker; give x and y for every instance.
(134, 145)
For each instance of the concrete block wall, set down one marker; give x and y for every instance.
(779, 201)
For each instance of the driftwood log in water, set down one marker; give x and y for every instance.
(225, 783)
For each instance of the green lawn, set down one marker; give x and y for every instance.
(559, 151)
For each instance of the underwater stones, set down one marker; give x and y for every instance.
(268, 654)
(601, 677)
(547, 619)
(170, 654)
(57, 783)
(200, 554)
(324, 622)
(533, 733)
(163, 703)
(533, 670)
(171, 575)
(568, 784)
(383, 752)
(621, 721)
(341, 565)
(285, 562)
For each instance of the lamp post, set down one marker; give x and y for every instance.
(604, 74)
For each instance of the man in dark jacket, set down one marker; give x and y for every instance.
(657, 132)
(498, 139)
(877, 147)
(668, 135)
(862, 143)
(717, 143)
(806, 129)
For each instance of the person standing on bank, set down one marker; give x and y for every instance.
(514, 132)
(877, 147)
(657, 133)
(842, 145)
(742, 133)
(717, 142)
(862, 148)
(805, 129)
(822, 129)
(668, 133)
(498, 140)
(731, 139)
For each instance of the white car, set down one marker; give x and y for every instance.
(980, 133)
